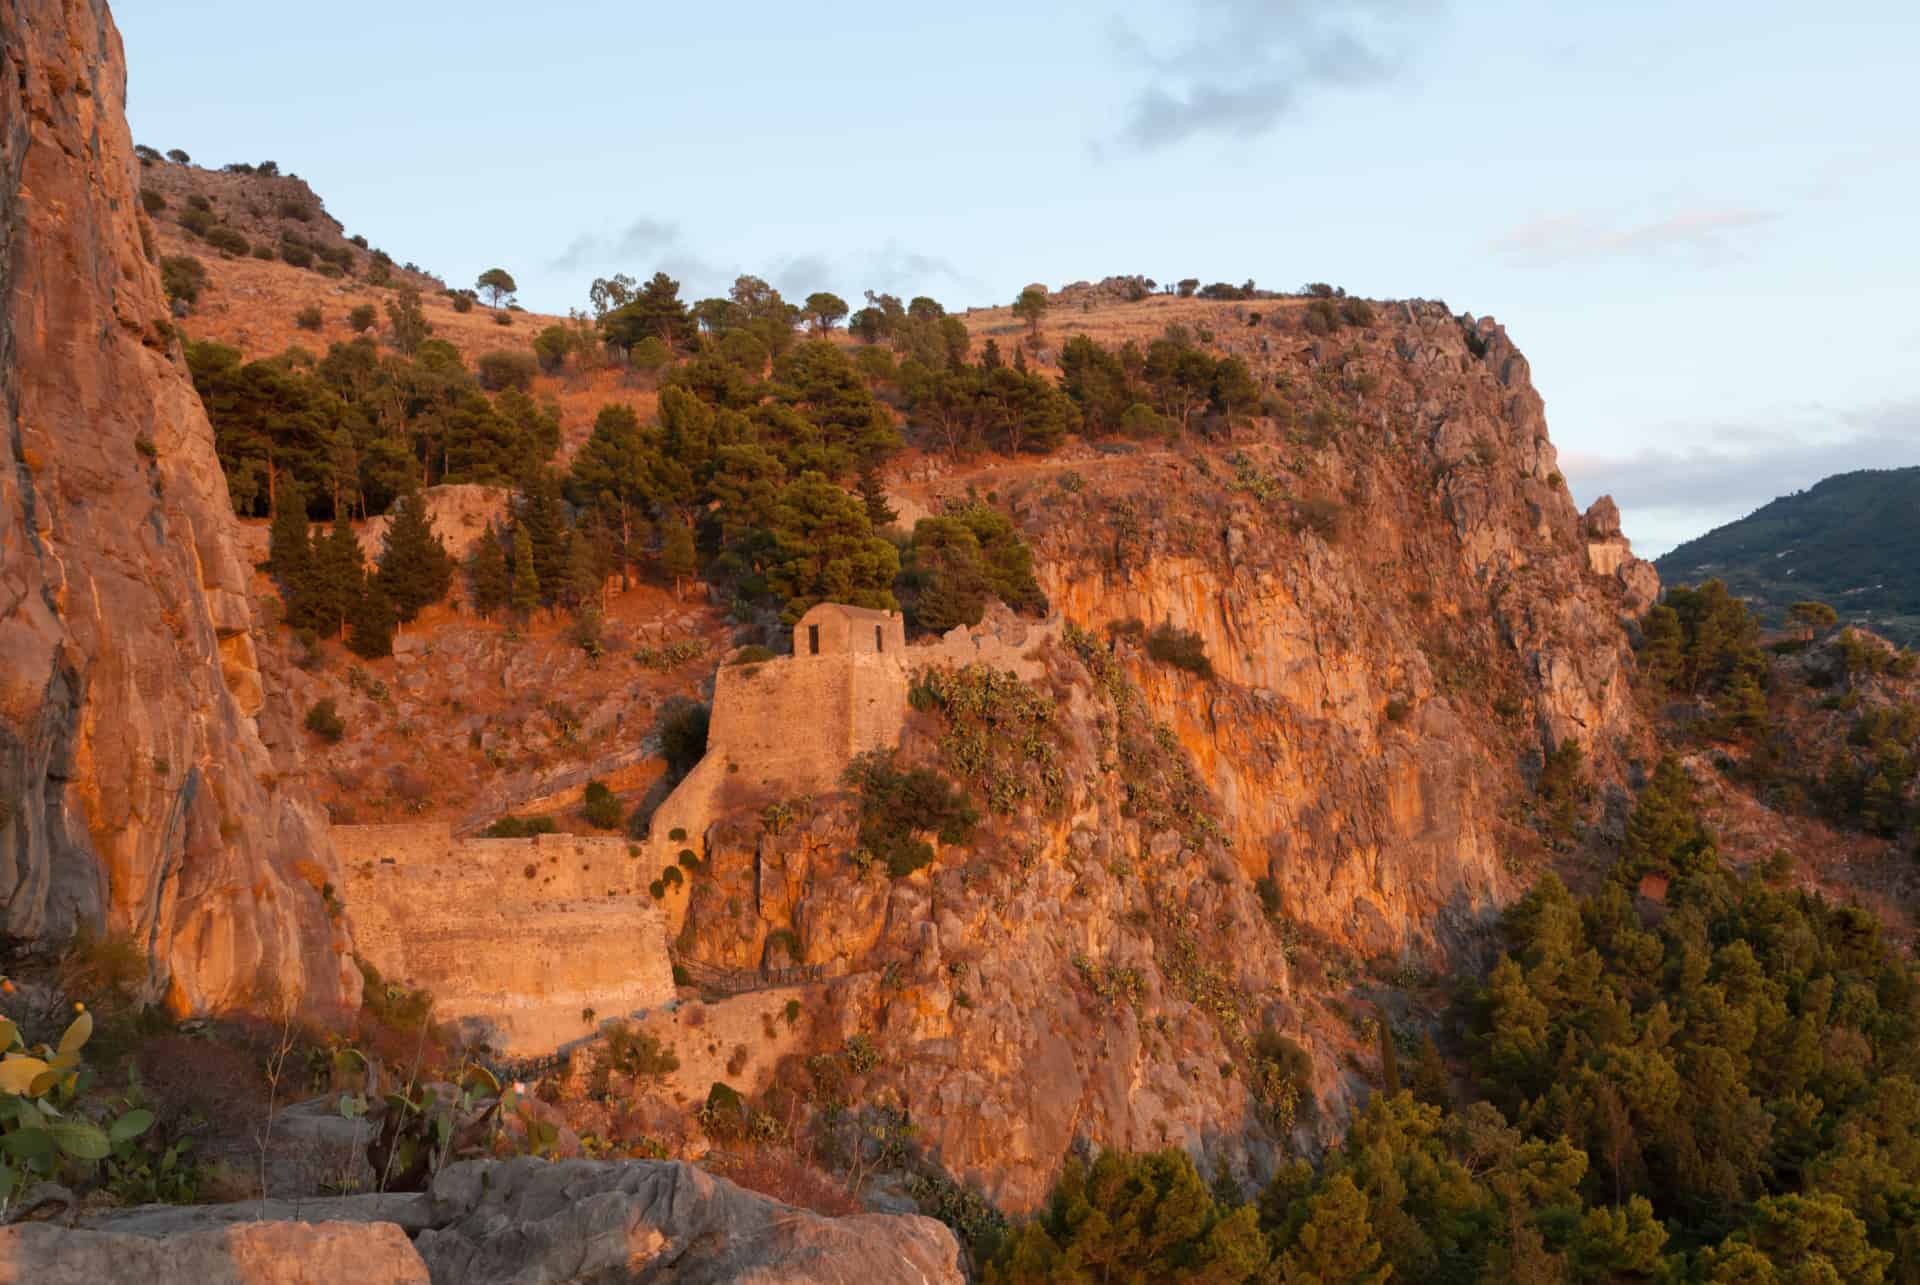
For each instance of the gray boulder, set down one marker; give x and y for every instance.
(491, 1222)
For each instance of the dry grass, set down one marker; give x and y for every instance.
(779, 1173)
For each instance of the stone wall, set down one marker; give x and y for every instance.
(514, 937)
(787, 727)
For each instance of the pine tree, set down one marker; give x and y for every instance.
(370, 621)
(1337, 1244)
(289, 546)
(492, 583)
(874, 493)
(337, 579)
(526, 580)
(414, 567)
(678, 557)
(584, 575)
(1431, 1084)
(540, 514)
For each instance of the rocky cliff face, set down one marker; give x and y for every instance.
(139, 787)
(1402, 608)
(1401, 612)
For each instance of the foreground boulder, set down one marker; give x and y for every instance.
(484, 1222)
(277, 1253)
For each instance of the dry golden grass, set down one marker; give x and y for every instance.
(252, 305)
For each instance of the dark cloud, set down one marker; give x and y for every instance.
(1737, 468)
(1247, 64)
(1701, 232)
(642, 239)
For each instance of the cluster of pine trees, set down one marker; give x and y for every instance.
(357, 428)
(327, 587)
(1724, 1090)
(1173, 385)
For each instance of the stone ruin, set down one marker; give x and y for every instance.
(518, 938)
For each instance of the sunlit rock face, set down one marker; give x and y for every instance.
(147, 771)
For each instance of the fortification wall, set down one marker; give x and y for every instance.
(786, 727)
(514, 937)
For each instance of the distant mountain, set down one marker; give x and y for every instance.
(1852, 541)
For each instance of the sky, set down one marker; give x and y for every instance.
(1697, 219)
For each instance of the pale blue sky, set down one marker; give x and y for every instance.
(1697, 219)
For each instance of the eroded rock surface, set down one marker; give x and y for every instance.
(514, 1222)
(142, 787)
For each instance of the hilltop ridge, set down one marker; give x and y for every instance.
(1851, 540)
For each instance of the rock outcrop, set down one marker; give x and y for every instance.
(140, 792)
(243, 1253)
(516, 1222)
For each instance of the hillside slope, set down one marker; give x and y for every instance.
(1851, 540)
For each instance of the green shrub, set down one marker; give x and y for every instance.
(897, 808)
(362, 318)
(183, 277)
(551, 346)
(152, 201)
(264, 253)
(298, 211)
(511, 827)
(636, 1053)
(678, 835)
(308, 318)
(688, 858)
(295, 254)
(1397, 709)
(752, 655)
(672, 877)
(602, 806)
(680, 976)
(227, 241)
(1356, 312)
(463, 301)
(324, 721)
(683, 734)
(503, 370)
(1183, 649)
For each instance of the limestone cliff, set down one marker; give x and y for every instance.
(1400, 613)
(139, 788)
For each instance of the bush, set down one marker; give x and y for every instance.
(602, 808)
(752, 655)
(1321, 317)
(520, 828)
(308, 318)
(502, 370)
(226, 240)
(183, 277)
(683, 735)
(636, 1053)
(550, 348)
(264, 253)
(324, 721)
(152, 201)
(1398, 709)
(296, 255)
(298, 211)
(1181, 648)
(1356, 312)
(362, 318)
(898, 807)
(462, 301)
(503, 319)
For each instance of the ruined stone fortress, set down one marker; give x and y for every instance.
(520, 939)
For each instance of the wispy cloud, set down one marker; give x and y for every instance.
(1733, 469)
(1699, 232)
(1248, 64)
(642, 239)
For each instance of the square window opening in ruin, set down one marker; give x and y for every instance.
(878, 644)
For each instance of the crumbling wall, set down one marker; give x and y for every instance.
(516, 938)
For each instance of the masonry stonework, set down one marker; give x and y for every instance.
(515, 938)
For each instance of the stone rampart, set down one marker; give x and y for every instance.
(516, 938)
(790, 726)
